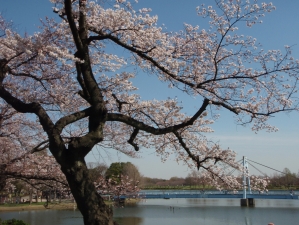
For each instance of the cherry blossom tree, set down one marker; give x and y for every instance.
(125, 186)
(81, 95)
(122, 169)
(23, 160)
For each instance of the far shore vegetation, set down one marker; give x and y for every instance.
(20, 198)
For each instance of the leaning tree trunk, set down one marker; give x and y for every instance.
(89, 202)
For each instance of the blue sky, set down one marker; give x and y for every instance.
(281, 27)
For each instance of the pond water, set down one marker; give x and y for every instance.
(178, 212)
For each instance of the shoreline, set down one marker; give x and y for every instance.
(52, 206)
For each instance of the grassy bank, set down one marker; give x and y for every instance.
(52, 205)
(36, 206)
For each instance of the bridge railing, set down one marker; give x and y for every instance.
(213, 194)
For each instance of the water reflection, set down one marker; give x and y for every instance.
(129, 220)
(213, 211)
(178, 212)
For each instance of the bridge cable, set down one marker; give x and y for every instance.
(233, 170)
(266, 166)
(257, 169)
(227, 165)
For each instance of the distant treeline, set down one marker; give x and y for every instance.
(284, 180)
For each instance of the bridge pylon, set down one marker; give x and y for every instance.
(246, 184)
(246, 178)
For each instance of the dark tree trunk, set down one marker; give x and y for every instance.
(30, 197)
(89, 202)
(36, 196)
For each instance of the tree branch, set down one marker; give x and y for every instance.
(235, 110)
(73, 27)
(142, 54)
(120, 103)
(64, 121)
(31, 177)
(156, 131)
(40, 147)
(132, 138)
